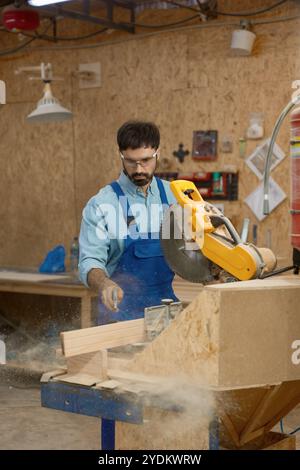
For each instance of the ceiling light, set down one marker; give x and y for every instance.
(43, 3)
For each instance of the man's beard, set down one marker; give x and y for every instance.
(139, 179)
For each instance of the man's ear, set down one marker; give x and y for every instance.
(158, 153)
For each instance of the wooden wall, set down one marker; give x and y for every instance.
(184, 81)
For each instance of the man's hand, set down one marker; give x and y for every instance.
(111, 293)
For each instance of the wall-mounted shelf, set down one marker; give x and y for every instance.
(216, 185)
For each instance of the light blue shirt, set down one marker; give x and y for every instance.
(103, 227)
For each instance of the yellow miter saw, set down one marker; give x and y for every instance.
(201, 245)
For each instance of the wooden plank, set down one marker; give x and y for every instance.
(109, 384)
(282, 442)
(121, 375)
(93, 364)
(102, 337)
(230, 428)
(251, 436)
(51, 374)
(43, 288)
(118, 363)
(80, 379)
(28, 277)
(266, 402)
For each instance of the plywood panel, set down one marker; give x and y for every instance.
(37, 187)
(231, 336)
(184, 81)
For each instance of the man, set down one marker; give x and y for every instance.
(127, 266)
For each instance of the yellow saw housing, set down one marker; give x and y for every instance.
(242, 260)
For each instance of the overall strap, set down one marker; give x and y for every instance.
(162, 191)
(123, 200)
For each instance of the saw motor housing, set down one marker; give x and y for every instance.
(199, 242)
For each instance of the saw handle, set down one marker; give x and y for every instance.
(218, 220)
(185, 191)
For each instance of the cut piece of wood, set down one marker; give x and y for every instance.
(102, 337)
(93, 364)
(132, 377)
(53, 373)
(109, 384)
(80, 379)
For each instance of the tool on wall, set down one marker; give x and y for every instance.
(181, 153)
(205, 145)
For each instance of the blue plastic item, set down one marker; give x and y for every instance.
(54, 261)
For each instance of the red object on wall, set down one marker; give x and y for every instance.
(295, 177)
(20, 19)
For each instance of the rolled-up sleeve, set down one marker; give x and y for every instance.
(94, 241)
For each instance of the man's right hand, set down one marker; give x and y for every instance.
(110, 293)
(108, 290)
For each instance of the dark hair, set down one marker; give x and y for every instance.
(136, 134)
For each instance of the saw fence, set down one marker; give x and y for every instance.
(221, 375)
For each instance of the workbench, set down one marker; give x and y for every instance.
(67, 286)
(70, 286)
(227, 367)
(110, 406)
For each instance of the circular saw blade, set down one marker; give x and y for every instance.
(182, 255)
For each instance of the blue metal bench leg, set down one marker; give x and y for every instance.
(214, 434)
(107, 434)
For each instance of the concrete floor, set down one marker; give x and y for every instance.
(24, 424)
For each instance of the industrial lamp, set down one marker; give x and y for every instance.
(48, 108)
(242, 40)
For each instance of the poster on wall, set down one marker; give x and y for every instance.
(205, 145)
(256, 198)
(257, 160)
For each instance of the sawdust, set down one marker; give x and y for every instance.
(175, 411)
(188, 347)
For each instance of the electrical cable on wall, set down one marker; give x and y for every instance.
(22, 45)
(252, 13)
(65, 38)
(289, 433)
(142, 25)
(75, 38)
(223, 13)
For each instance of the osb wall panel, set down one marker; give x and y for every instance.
(184, 81)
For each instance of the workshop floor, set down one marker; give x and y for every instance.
(24, 424)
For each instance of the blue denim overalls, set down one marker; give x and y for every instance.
(142, 271)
